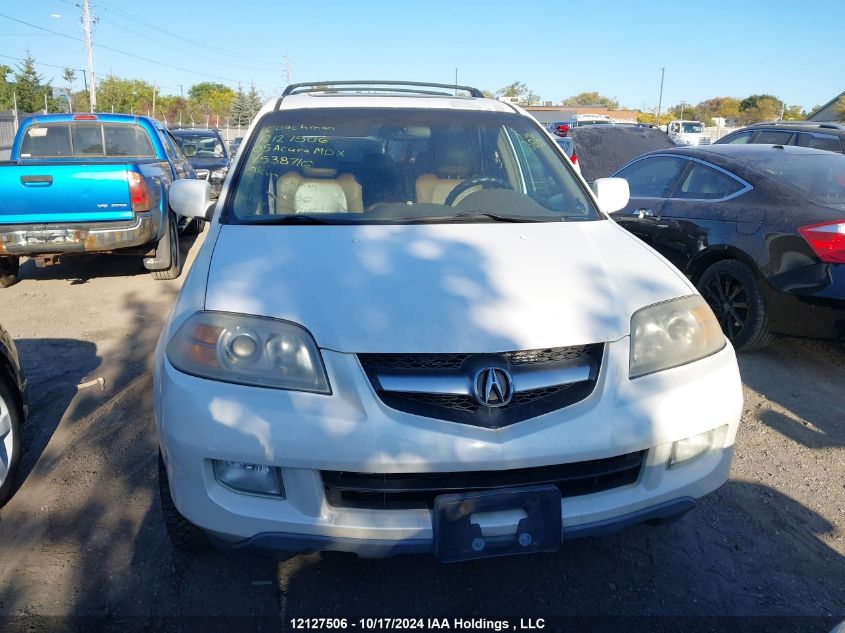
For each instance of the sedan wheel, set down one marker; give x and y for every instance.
(733, 293)
(10, 440)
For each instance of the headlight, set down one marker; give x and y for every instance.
(673, 333)
(219, 174)
(248, 350)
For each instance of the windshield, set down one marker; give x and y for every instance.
(692, 128)
(402, 165)
(195, 145)
(821, 177)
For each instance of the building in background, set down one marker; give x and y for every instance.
(828, 111)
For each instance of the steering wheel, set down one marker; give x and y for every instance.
(482, 181)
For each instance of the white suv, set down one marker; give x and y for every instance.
(413, 328)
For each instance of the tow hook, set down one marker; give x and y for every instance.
(43, 261)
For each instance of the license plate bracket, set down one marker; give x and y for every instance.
(457, 538)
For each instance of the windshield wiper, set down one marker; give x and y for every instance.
(299, 218)
(475, 215)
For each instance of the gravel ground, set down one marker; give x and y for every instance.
(84, 536)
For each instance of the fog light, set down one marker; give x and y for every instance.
(252, 478)
(691, 447)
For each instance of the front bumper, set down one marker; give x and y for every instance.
(283, 545)
(90, 237)
(353, 431)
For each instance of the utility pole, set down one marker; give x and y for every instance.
(15, 101)
(45, 102)
(154, 99)
(660, 99)
(287, 68)
(89, 44)
(782, 108)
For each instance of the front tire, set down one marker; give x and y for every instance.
(183, 534)
(10, 439)
(9, 270)
(175, 268)
(734, 294)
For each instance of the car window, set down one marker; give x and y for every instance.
(206, 145)
(740, 138)
(377, 164)
(86, 140)
(773, 137)
(652, 177)
(820, 141)
(820, 176)
(705, 183)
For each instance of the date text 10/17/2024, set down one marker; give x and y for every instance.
(419, 624)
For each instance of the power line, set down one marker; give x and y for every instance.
(23, 59)
(135, 56)
(159, 29)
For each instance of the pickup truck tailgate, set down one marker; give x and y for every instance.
(56, 193)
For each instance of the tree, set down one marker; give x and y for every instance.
(6, 102)
(518, 90)
(725, 107)
(69, 75)
(124, 95)
(758, 108)
(240, 109)
(253, 102)
(212, 99)
(840, 108)
(591, 99)
(794, 113)
(28, 86)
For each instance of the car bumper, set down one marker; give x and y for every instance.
(352, 431)
(94, 237)
(809, 301)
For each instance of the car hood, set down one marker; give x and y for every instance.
(466, 287)
(208, 163)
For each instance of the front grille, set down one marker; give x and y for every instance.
(376, 362)
(418, 490)
(464, 408)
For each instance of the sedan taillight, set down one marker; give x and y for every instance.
(827, 240)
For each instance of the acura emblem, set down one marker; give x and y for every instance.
(493, 387)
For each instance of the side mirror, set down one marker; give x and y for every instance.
(191, 198)
(190, 150)
(612, 193)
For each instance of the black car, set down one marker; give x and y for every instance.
(12, 412)
(206, 151)
(759, 229)
(235, 145)
(827, 136)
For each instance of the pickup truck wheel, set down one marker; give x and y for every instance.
(10, 439)
(194, 227)
(183, 534)
(175, 268)
(9, 269)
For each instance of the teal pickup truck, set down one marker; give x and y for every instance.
(90, 183)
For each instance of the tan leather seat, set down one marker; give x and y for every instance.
(319, 190)
(453, 164)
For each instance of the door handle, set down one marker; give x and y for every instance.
(41, 181)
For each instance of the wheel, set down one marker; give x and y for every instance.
(183, 534)
(10, 439)
(194, 227)
(734, 294)
(9, 268)
(175, 268)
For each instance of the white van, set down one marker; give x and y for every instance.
(413, 328)
(688, 133)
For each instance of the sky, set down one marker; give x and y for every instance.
(792, 50)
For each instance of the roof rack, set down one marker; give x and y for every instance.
(380, 86)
